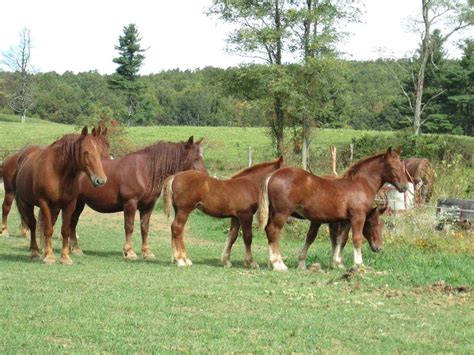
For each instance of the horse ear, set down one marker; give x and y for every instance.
(199, 141)
(388, 152)
(190, 142)
(280, 161)
(94, 132)
(84, 131)
(399, 150)
(99, 130)
(372, 211)
(105, 131)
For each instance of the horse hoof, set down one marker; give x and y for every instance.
(302, 265)
(49, 260)
(180, 262)
(35, 255)
(66, 261)
(251, 265)
(339, 266)
(188, 262)
(5, 233)
(226, 263)
(77, 251)
(280, 266)
(148, 255)
(130, 255)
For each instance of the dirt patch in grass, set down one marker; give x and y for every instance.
(442, 286)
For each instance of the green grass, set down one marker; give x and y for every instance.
(104, 304)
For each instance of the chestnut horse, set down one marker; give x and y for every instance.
(134, 182)
(339, 234)
(327, 200)
(9, 167)
(235, 198)
(49, 178)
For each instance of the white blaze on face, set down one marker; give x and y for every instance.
(357, 256)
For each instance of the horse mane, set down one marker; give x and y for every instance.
(355, 168)
(68, 146)
(252, 168)
(166, 158)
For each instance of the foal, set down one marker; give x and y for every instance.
(348, 198)
(235, 198)
(49, 178)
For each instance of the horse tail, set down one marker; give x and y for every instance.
(263, 204)
(167, 192)
(40, 229)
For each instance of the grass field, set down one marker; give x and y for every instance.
(415, 297)
(104, 304)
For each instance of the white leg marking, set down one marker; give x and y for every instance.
(357, 256)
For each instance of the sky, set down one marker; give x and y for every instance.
(81, 35)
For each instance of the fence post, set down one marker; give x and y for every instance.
(333, 150)
(250, 156)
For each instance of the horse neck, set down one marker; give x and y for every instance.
(257, 175)
(370, 174)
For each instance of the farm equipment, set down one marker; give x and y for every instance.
(453, 210)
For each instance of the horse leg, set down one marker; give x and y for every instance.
(73, 243)
(339, 233)
(145, 226)
(310, 237)
(6, 206)
(177, 238)
(47, 232)
(28, 216)
(129, 211)
(40, 225)
(66, 231)
(246, 221)
(357, 223)
(233, 234)
(273, 230)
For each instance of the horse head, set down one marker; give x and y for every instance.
(91, 151)
(194, 160)
(394, 170)
(373, 227)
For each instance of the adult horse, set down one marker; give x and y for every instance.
(134, 183)
(49, 178)
(327, 200)
(422, 172)
(9, 167)
(235, 198)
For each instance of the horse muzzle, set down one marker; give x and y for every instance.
(98, 181)
(376, 249)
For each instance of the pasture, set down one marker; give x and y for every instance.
(415, 297)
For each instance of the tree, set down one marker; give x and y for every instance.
(18, 59)
(130, 60)
(454, 15)
(261, 33)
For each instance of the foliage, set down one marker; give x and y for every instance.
(436, 148)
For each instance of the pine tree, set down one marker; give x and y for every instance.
(130, 59)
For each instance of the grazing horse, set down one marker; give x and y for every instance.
(348, 198)
(421, 170)
(134, 182)
(235, 198)
(49, 178)
(339, 234)
(9, 168)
